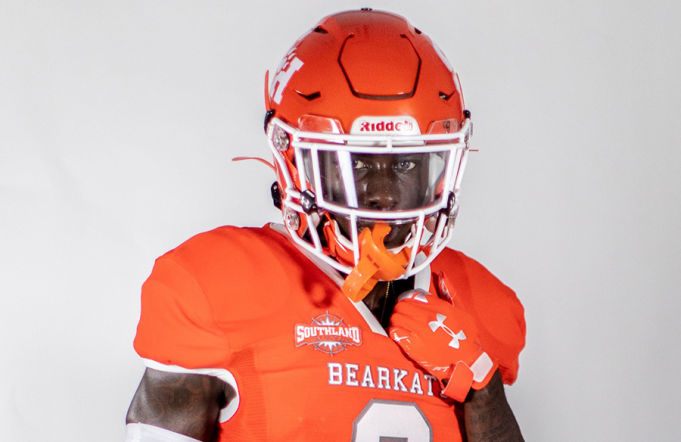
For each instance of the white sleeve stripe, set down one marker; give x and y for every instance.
(481, 367)
(220, 373)
(150, 433)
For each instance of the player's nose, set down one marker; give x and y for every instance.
(382, 192)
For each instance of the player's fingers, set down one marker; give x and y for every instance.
(442, 287)
(419, 309)
(414, 324)
(400, 335)
(445, 303)
(433, 304)
(446, 292)
(416, 295)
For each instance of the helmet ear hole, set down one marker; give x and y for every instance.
(276, 195)
(268, 116)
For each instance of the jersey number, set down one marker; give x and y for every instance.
(391, 421)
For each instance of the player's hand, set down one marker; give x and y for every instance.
(443, 339)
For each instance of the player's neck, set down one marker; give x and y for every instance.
(381, 299)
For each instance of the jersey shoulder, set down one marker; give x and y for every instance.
(499, 314)
(242, 247)
(199, 293)
(239, 269)
(470, 274)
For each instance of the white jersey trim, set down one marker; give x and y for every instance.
(225, 375)
(149, 433)
(481, 367)
(369, 317)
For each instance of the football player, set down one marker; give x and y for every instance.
(352, 321)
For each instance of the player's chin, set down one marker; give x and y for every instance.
(399, 234)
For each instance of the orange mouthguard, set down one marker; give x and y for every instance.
(375, 263)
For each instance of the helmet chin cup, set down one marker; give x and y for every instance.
(337, 246)
(376, 263)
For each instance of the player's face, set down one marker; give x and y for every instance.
(385, 182)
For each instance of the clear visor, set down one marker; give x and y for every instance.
(377, 181)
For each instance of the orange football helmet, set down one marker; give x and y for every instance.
(366, 121)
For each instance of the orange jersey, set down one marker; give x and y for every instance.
(308, 363)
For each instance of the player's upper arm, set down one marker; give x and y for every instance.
(187, 404)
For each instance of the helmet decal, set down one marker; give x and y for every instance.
(289, 65)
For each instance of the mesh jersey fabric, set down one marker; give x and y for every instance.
(307, 363)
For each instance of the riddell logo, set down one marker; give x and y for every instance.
(385, 125)
(328, 333)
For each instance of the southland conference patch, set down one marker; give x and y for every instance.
(328, 333)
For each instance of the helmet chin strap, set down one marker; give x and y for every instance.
(376, 263)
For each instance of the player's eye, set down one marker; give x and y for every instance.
(358, 164)
(404, 165)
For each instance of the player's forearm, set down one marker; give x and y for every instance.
(187, 404)
(488, 417)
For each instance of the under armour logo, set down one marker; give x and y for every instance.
(456, 337)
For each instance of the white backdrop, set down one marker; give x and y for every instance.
(118, 121)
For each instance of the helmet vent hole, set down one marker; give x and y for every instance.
(310, 97)
(446, 96)
(418, 31)
(320, 30)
